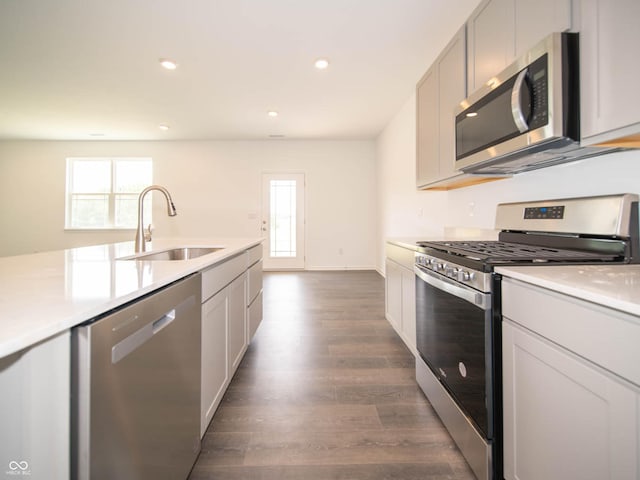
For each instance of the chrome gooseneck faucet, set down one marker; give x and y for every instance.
(141, 236)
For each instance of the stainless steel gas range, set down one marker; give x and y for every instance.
(458, 312)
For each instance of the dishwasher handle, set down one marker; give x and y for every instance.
(163, 321)
(138, 338)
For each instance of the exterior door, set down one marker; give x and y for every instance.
(283, 220)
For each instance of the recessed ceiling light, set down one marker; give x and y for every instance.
(472, 114)
(321, 63)
(168, 64)
(163, 127)
(272, 113)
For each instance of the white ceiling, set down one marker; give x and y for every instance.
(71, 69)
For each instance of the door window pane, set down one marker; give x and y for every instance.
(283, 218)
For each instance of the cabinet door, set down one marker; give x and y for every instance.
(409, 308)
(237, 322)
(393, 291)
(453, 89)
(609, 39)
(215, 376)
(490, 31)
(427, 159)
(563, 416)
(536, 20)
(35, 410)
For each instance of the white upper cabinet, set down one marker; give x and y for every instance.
(427, 165)
(534, 20)
(609, 41)
(490, 41)
(501, 30)
(437, 94)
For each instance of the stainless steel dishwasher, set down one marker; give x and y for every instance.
(136, 388)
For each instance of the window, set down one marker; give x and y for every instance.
(103, 192)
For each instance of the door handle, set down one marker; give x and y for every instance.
(516, 107)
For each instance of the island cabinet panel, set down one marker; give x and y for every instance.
(237, 333)
(215, 371)
(609, 70)
(35, 410)
(231, 312)
(254, 292)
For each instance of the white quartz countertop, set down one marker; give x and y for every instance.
(613, 286)
(46, 293)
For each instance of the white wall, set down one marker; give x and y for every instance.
(216, 187)
(405, 212)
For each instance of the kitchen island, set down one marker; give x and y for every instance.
(44, 296)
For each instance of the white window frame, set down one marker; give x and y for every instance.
(112, 194)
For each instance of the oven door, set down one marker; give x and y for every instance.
(454, 337)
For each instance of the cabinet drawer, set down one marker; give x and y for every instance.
(255, 282)
(602, 335)
(254, 254)
(403, 256)
(219, 276)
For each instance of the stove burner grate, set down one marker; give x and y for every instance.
(502, 252)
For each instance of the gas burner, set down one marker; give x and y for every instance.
(499, 252)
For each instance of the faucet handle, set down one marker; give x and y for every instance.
(147, 233)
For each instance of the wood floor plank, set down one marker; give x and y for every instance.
(326, 391)
(360, 447)
(405, 471)
(279, 419)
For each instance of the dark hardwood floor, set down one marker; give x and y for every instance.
(326, 390)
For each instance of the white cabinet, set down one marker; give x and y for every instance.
(214, 367)
(237, 333)
(609, 40)
(393, 293)
(427, 138)
(437, 95)
(490, 41)
(254, 296)
(228, 322)
(535, 20)
(400, 296)
(35, 410)
(501, 30)
(570, 391)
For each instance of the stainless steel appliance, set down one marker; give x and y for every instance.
(136, 388)
(458, 297)
(527, 116)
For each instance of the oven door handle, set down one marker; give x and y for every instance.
(482, 300)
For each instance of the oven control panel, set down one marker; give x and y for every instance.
(464, 275)
(542, 213)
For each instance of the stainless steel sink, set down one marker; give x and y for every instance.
(180, 253)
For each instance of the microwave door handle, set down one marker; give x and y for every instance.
(516, 107)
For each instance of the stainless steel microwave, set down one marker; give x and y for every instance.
(526, 117)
